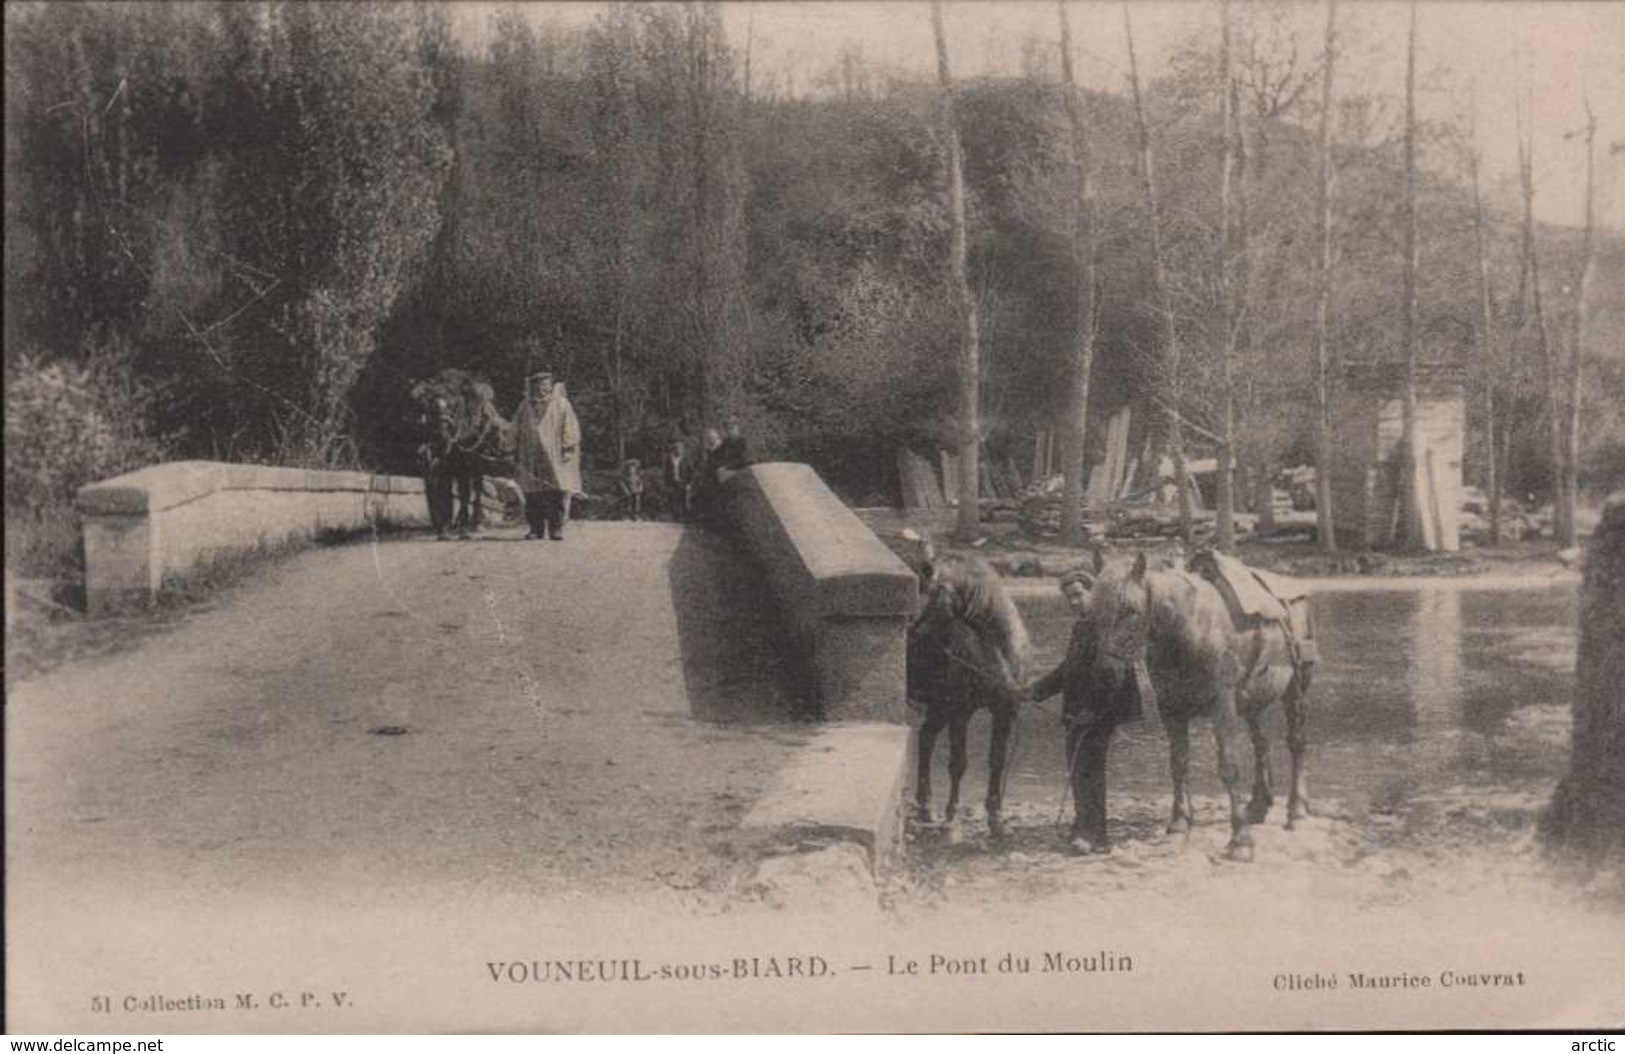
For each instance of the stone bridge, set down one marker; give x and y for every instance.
(640, 708)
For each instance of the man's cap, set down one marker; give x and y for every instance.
(1078, 576)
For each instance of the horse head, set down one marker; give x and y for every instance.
(1120, 605)
(961, 588)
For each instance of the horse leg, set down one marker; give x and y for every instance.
(1003, 720)
(957, 759)
(925, 740)
(1226, 735)
(1263, 776)
(464, 501)
(1297, 743)
(1183, 815)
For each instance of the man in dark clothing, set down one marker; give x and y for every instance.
(436, 438)
(732, 456)
(1093, 707)
(677, 472)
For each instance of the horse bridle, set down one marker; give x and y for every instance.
(921, 619)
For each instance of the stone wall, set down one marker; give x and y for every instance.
(148, 527)
(845, 598)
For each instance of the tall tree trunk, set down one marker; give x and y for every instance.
(1231, 276)
(1489, 357)
(1548, 355)
(1410, 520)
(969, 523)
(1587, 816)
(1171, 364)
(1325, 531)
(1085, 258)
(1569, 534)
(700, 205)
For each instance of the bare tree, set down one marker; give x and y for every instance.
(1568, 530)
(1324, 529)
(1529, 284)
(1411, 500)
(969, 523)
(1487, 343)
(1085, 253)
(1232, 277)
(1171, 364)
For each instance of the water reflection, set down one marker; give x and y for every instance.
(1433, 663)
(1416, 689)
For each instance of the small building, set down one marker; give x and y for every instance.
(1368, 469)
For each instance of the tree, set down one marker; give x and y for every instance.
(1570, 491)
(1529, 282)
(1488, 353)
(1232, 280)
(1170, 332)
(331, 184)
(970, 372)
(1085, 254)
(1411, 499)
(1324, 524)
(1587, 814)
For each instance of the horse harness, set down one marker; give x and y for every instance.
(1257, 604)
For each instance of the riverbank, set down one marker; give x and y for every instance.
(1019, 556)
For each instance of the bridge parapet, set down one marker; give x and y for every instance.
(845, 597)
(144, 528)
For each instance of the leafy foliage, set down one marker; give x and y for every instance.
(285, 214)
(67, 424)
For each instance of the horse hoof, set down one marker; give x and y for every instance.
(995, 830)
(1240, 852)
(1257, 812)
(1081, 846)
(1179, 826)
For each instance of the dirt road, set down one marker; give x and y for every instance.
(487, 716)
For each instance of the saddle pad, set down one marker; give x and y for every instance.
(1243, 590)
(1280, 586)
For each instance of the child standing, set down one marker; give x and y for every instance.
(630, 488)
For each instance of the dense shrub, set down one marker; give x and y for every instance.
(67, 424)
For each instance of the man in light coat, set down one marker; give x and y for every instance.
(547, 456)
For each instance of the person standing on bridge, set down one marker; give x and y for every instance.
(435, 440)
(677, 472)
(733, 455)
(547, 455)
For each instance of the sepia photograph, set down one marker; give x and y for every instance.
(887, 516)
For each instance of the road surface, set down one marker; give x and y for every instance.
(495, 715)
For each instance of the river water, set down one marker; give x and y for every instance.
(1441, 688)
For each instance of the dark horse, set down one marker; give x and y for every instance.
(476, 451)
(967, 649)
(1203, 664)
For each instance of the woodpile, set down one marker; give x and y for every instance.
(1109, 478)
(917, 482)
(919, 487)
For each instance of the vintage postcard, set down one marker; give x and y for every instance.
(813, 517)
